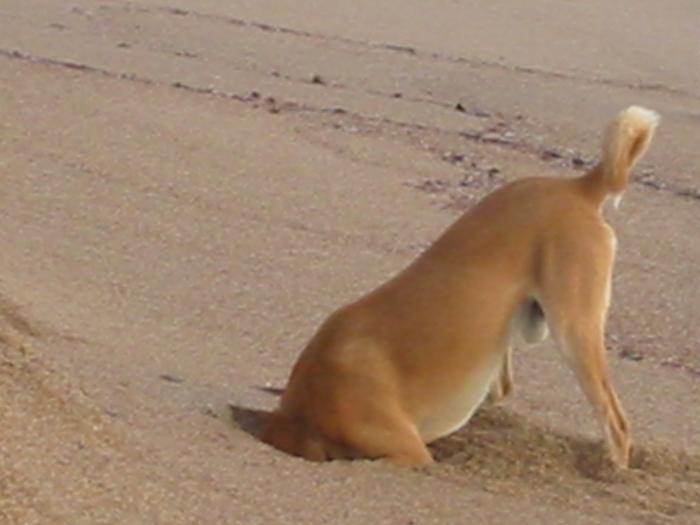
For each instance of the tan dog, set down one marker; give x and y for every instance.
(412, 360)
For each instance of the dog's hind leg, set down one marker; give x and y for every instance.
(575, 293)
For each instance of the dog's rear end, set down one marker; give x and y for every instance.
(576, 273)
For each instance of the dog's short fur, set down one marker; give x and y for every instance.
(412, 360)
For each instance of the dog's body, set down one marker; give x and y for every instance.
(411, 361)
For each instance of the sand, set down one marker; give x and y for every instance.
(188, 189)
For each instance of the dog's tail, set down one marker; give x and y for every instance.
(626, 139)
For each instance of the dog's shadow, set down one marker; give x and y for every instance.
(252, 420)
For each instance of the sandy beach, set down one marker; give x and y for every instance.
(189, 188)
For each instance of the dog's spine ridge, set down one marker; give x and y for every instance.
(626, 139)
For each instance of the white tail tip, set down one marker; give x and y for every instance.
(638, 113)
